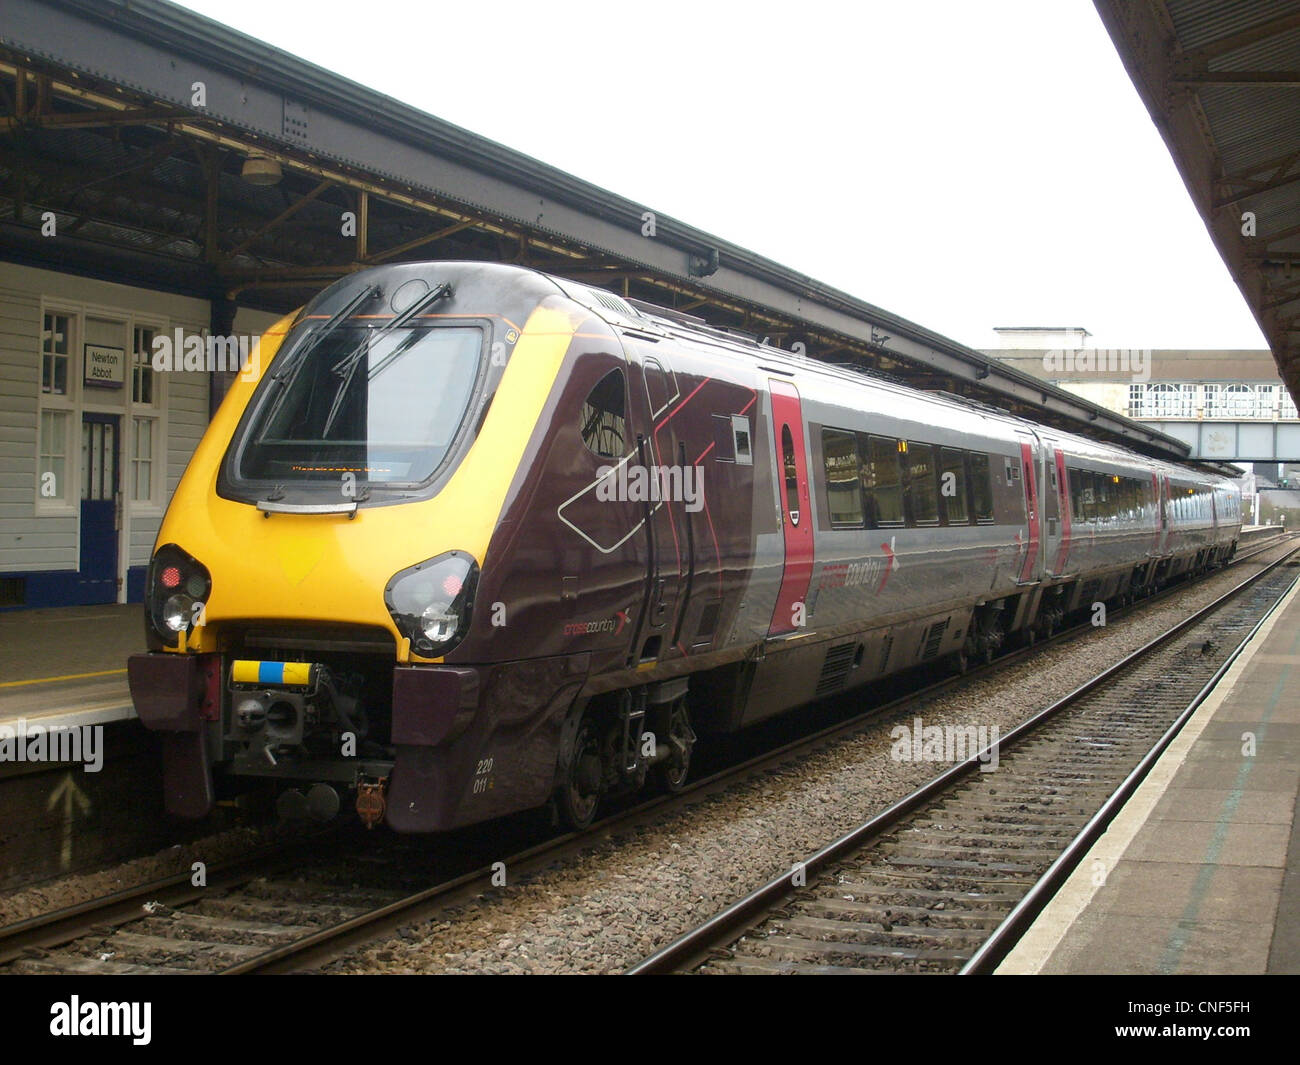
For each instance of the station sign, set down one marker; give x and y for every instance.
(105, 366)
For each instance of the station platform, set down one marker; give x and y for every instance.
(1200, 872)
(67, 665)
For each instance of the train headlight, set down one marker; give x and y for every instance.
(176, 589)
(431, 603)
(177, 612)
(437, 625)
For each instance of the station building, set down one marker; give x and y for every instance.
(1229, 402)
(93, 439)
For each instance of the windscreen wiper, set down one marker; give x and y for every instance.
(346, 367)
(335, 320)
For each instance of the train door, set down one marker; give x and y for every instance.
(795, 508)
(1060, 566)
(658, 447)
(1031, 570)
(1168, 533)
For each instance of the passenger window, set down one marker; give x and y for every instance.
(922, 484)
(982, 485)
(1087, 495)
(603, 426)
(843, 483)
(791, 474)
(952, 486)
(881, 482)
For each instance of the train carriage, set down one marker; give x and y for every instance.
(473, 539)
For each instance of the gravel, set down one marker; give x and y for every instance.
(68, 891)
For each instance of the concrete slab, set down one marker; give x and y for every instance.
(1222, 843)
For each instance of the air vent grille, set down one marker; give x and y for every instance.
(934, 639)
(835, 669)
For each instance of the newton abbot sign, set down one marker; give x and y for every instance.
(105, 366)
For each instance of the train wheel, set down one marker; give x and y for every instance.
(671, 775)
(579, 796)
(959, 663)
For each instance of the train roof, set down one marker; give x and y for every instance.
(638, 316)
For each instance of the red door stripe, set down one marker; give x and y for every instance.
(797, 576)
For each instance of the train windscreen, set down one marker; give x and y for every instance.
(383, 405)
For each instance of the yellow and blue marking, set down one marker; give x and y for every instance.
(284, 674)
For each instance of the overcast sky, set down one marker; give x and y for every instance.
(965, 165)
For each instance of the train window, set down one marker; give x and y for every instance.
(922, 484)
(881, 481)
(603, 423)
(791, 474)
(843, 483)
(952, 486)
(1087, 495)
(386, 402)
(740, 438)
(981, 486)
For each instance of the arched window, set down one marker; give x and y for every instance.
(603, 420)
(1239, 400)
(1164, 401)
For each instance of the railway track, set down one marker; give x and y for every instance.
(947, 879)
(275, 912)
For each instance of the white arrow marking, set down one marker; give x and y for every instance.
(73, 799)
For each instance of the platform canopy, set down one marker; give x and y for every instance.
(1222, 83)
(178, 153)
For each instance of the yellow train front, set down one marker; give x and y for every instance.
(323, 552)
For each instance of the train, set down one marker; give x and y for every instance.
(470, 539)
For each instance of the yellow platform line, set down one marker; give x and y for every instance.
(66, 676)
